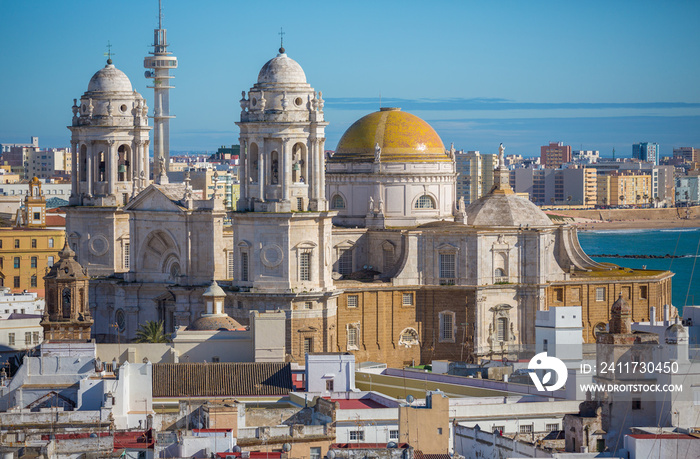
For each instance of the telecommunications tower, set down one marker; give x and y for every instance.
(159, 64)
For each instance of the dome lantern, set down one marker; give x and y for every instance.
(214, 297)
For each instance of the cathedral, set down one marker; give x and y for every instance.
(365, 251)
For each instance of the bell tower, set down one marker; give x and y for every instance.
(110, 166)
(67, 314)
(282, 141)
(109, 141)
(282, 236)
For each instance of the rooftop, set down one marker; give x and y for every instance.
(221, 379)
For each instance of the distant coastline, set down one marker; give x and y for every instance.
(625, 219)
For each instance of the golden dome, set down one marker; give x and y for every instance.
(402, 137)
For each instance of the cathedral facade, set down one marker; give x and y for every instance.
(367, 251)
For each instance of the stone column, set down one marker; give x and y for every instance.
(110, 173)
(261, 170)
(75, 180)
(286, 163)
(146, 165)
(89, 167)
(311, 177)
(321, 189)
(243, 176)
(138, 164)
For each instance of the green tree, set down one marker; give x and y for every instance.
(151, 332)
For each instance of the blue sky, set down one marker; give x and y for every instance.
(594, 74)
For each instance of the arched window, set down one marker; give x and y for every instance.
(123, 164)
(66, 297)
(83, 163)
(274, 168)
(425, 202)
(120, 320)
(253, 163)
(337, 202)
(500, 272)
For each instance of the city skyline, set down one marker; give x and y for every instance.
(521, 74)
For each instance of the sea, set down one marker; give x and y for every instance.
(683, 242)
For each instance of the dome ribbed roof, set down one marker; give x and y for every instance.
(282, 69)
(213, 323)
(403, 137)
(505, 209)
(214, 290)
(110, 79)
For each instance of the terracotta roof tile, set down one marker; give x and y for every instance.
(221, 379)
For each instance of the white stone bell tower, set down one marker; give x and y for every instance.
(109, 141)
(110, 166)
(282, 235)
(282, 141)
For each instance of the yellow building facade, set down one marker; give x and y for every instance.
(623, 189)
(25, 255)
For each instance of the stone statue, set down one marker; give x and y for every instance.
(91, 108)
(501, 157)
(381, 206)
(263, 102)
(462, 207)
(452, 150)
(377, 153)
(371, 205)
(161, 165)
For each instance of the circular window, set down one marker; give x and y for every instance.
(298, 101)
(271, 255)
(254, 102)
(599, 328)
(120, 320)
(98, 245)
(123, 108)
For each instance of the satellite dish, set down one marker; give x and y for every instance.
(410, 398)
(236, 449)
(286, 447)
(331, 454)
(392, 444)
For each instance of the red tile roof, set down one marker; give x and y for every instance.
(133, 440)
(55, 220)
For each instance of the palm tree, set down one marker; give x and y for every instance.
(151, 332)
